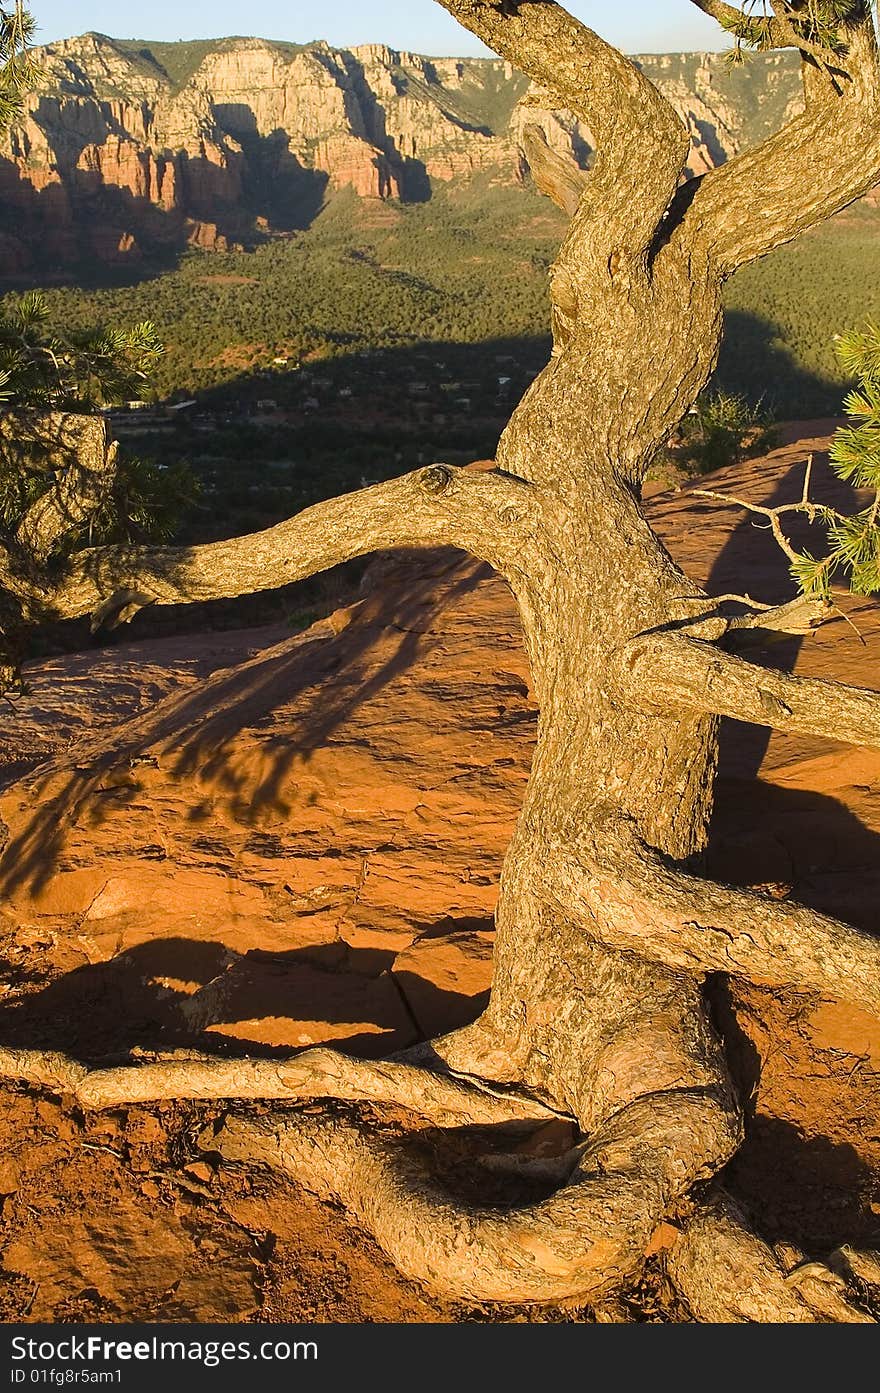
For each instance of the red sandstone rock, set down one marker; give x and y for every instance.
(252, 841)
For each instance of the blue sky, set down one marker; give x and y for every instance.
(419, 25)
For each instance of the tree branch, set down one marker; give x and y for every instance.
(817, 164)
(583, 1241)
(728, 1275)
(778, 31)
(80, 485)
(813, 511)
(641, 142)
(727, 15)
(630, 898)
(802, 615)
(78, 458)
(559, 178)
(587, 74)
(670, 670)
(486, 513)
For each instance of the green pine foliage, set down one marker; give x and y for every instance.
(74, 369)
(855, 457)
(18, 71)
(854, 540)
(145, 502)
(49, 368)
(818, 22)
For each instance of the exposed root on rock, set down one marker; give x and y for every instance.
(586, 1240)
(444, 1099)
(729, 1275)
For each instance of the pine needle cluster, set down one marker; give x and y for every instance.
(818, 23)
(854, 539)
(19, 74)
(71, 370)
(47, 368)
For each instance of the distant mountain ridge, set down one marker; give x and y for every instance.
(130, 147)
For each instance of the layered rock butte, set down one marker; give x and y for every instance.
(127, 147)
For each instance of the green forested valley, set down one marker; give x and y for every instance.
(468, 266)
(388, 334)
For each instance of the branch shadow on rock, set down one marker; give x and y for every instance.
(750, 560)
(179, 993)
(802, 1188)
(797, 842)
(328, 677)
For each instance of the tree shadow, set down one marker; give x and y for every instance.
(177, 993)
(798, 1186)
(805, 843)
(755, 361)
(327, 993)
(750, 552)
(760, 833)
(378, 645)
(804, 1188)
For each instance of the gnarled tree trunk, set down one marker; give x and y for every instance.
(605, 931)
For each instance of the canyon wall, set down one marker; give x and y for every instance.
(126, 149)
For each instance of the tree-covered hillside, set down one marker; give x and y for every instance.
(468, 266)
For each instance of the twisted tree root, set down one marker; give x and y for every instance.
(320, 1073)
(728, 1275)
(586, 1240)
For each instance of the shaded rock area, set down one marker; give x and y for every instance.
(254, 841)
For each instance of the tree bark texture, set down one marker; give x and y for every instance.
(604, 932)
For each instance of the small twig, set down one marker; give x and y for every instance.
(775, 513)
(856, 630)
(801, 615)
(760, 606)
(100, 1146)
(808, 469)
(764, 511)
(781, 540)
(737, 599)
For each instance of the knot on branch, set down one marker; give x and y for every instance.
(436, 478)
(119, 608)
(510, 515)
(558, 176)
